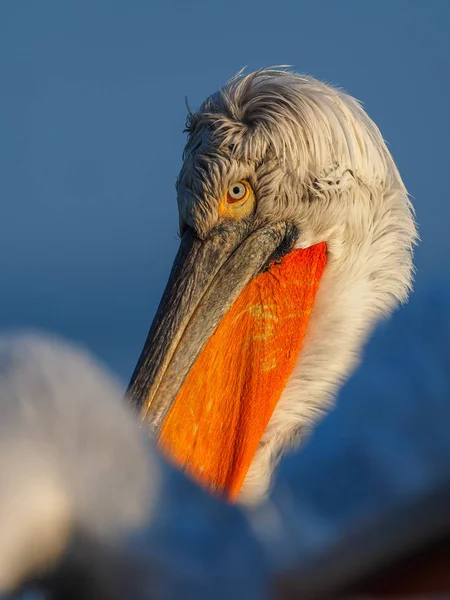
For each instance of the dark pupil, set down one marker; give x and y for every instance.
(236, 190)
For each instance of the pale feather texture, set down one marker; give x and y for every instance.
(315, 158)
(73, 463)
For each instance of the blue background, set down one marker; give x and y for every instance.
(91, 118)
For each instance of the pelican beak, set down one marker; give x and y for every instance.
(222, 346)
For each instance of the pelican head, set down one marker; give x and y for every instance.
(296, 237)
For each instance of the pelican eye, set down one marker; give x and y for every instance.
(238, 202)
(238, 192)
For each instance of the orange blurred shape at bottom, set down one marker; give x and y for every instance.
(219, 415)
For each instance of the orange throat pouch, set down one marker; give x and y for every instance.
(220, 413)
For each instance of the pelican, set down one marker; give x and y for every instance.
(296, 238)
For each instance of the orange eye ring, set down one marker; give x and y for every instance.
(238, 193)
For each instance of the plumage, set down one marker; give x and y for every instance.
(76, 474)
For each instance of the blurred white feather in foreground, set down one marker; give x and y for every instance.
(73, 463)
(68, 443)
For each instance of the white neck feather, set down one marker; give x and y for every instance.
(369, 271)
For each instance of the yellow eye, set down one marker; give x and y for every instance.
(238, 202)
(238, 192)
